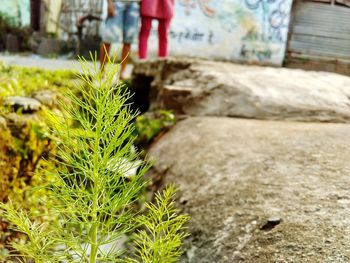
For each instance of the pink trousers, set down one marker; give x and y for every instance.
(163, 31)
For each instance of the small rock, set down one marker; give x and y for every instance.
(183, 201)
(271, 223)
(274, 220)
(28, 105)
(328, 241)
(191, 252)
(237, 256)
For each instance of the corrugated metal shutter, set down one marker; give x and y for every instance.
(344, 2)
(321, 30)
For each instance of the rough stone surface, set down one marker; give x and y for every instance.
(48, 98)
(19, 123)
(12, 43)
(24, 103)
(207, 88)
(236, 175)
(49, 46)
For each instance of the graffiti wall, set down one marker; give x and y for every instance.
(241, 30)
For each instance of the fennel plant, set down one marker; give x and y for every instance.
(97, 185)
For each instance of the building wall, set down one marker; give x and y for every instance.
(52, 16)
(253, 31)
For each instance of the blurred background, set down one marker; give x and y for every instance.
(308, 34)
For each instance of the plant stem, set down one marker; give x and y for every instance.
(95, 190)
(94, 229)
(94, 245)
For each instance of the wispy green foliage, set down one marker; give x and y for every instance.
(161, 238)
(97, 184)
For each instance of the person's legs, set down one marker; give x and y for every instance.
(104, 51)
(125, 58)
(111, 33)
(130, 30)
(163, 31)
(146, 26)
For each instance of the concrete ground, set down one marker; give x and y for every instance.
(260, 191)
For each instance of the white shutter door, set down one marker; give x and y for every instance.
(320, 29)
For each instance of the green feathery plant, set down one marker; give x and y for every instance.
(97, 185)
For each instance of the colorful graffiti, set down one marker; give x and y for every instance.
(204, 5)
(275, 16)
(225, 13)
(241, 30)
(268, 38)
